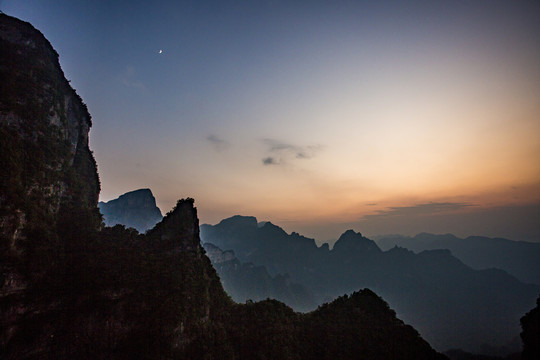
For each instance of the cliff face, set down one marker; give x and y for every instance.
(47, 167)
(49, 185)
(136, 209)
(66, 287)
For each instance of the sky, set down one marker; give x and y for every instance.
(386, 117)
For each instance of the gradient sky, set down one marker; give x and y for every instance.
(384, 117)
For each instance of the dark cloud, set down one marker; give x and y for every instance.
(287, 151)
(270, 161)
(419, 210)
(303, 155)
(218, 143)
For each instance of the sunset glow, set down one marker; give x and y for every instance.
(314, 116)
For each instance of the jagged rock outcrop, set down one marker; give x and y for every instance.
(136, 209)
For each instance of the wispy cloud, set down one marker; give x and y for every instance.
(129, 79)
(419, 210)
(218, 143)
(270, 161)
(280, 152)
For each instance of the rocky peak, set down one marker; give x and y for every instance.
(141, 197)
(136, 209)
(238, 222)
(351, 241)
(270, 229)
(179, 229)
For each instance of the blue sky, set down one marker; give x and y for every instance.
(318, 116)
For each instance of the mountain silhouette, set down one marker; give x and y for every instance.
(136, 209)
(451, 304)
(519, 258)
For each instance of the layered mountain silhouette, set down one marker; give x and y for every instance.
(518, 258)
(247, 281)
(451, 304)
(71, 288)
(136, 209)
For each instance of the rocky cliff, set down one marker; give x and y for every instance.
(68, 288)
(47, 167)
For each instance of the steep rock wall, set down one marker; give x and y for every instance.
(47, 167)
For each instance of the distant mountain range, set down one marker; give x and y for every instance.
(519, 258)
(451, 304)
(136, 209)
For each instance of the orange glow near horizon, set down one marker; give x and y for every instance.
(312, 115)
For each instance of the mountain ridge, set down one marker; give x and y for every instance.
(433, 290)
(519, 258)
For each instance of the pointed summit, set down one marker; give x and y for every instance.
(179, 229)
(351, 241)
